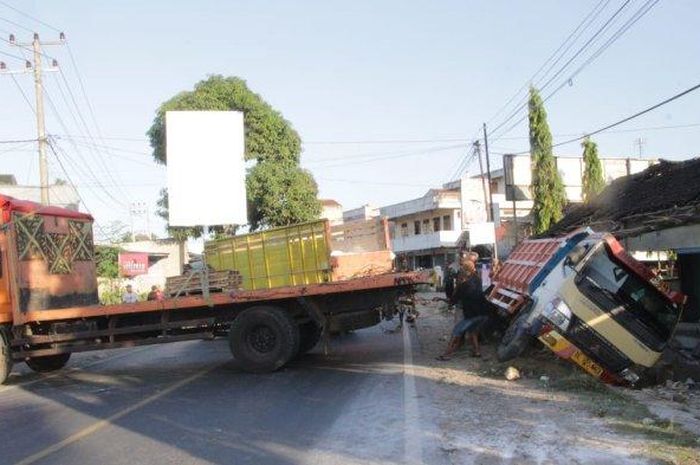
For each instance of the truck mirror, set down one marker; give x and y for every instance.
(574, 257)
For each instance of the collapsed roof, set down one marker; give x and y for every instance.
(664, 195)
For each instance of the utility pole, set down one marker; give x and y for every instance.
(477, 149)
(488, 174)
(38, 71)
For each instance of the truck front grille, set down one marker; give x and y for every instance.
(597, 348)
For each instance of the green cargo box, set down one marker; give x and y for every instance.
(287, 256)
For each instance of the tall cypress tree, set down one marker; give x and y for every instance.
(593, 181)
(547, 187)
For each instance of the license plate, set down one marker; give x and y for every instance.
(587, 364)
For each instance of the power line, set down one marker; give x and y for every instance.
(382, 141)
(592, 15)
(581, 49)
(24, 28)
(615, 36)
(12, 55)
(65, 172)
(624, 120)
(402, 155)
(27, 15)
(19, 141)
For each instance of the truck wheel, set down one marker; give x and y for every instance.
(310, 333)
(263, 339)
(516, 338)
(5, 355)
(47, 363)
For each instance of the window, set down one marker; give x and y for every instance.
(436, 224)
(416, 227)
(426, 226)
(404, 229)
(447, 223)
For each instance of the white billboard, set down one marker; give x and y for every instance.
(206, 168)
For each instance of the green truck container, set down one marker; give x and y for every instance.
(287, 256)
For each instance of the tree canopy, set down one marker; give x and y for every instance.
(548, 189)
(593, 181)
(279, 191)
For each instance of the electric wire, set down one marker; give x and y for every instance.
(624, 120)
(85, 165)
(523, 103)
(70, 180)
(575, 34)
(27, 15)
(597, 53)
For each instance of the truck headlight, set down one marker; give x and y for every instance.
(558, 313)
(629, 376)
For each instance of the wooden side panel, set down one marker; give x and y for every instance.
(53, 261)
(354, 265)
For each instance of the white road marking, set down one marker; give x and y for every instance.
(111, 419)
(413, 442)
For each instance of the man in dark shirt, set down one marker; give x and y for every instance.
(469, 295)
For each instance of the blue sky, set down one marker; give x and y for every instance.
(360, 71)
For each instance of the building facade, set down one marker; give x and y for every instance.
(425, 230)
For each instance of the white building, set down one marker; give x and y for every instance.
(332, 211)
(60, 194)
(425, 230)
(365, 212)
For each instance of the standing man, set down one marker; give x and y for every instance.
(130, 297)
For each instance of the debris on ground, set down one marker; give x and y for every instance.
(555, 413)
(512, 374)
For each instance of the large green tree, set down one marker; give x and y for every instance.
(270, 141)
(547, 187)
(593, 181)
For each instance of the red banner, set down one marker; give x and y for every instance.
(133, 263)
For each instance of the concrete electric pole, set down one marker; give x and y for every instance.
(37, 69)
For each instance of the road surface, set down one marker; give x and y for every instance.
(186, 403)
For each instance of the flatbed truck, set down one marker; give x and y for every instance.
(49, 305)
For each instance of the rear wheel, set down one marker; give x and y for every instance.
(516, 338)
(47, 363)
(263, 339)
(5, 354)
(310, 333)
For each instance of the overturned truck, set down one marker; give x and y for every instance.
(298, 284)
(588, 301)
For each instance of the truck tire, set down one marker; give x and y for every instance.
(47, 363)
(516, 338)
(310, 333)
(263, 339)
(5, 355)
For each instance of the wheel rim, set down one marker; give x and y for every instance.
(262, 339)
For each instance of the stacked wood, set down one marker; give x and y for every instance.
(356, 265)
(190, 283)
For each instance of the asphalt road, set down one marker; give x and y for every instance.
(186, 403)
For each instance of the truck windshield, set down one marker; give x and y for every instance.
(632, 301)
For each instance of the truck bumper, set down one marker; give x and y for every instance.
(565, 349)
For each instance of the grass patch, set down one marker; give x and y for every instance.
(666, 441)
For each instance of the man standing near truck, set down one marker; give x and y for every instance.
(130, 297)
(468, 293)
